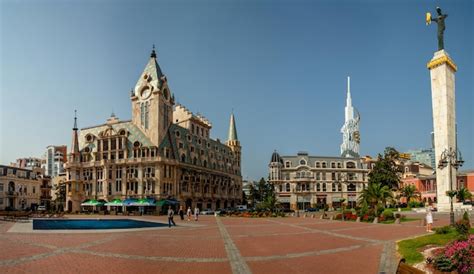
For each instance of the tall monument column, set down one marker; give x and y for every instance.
(442, 69)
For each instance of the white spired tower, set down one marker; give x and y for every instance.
(442, 69)
(350, 129)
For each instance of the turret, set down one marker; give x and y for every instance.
(75, 154)
(276, 163)
(232, 140)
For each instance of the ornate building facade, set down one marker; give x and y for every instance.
(350, 129)
(164, 152)
(302, 181)
(19, 188)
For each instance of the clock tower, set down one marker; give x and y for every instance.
(152, 102)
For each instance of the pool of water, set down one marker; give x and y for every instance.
(40, 224)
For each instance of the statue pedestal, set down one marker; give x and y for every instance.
(442, 70)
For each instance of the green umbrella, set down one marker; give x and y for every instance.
(93, 202)
(115, 202)
(143, 202)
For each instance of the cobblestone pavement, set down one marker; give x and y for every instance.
(212, 245)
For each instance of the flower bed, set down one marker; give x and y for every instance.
(458, 255)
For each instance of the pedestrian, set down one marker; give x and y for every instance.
(189, 213)
(429, 219)
(196, 214)
(170, 216)
(181, 212)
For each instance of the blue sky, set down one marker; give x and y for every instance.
(281, 65)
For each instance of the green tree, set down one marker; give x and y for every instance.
(376, 196)
(60, 192)
(386, 171)
(463, 194)
(409, 192)
(244, 198)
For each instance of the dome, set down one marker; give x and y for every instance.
(276, 158)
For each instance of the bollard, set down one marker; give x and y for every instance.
(358, 219)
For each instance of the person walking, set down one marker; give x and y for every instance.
(170, 217)
(429, 219)
(181, 212)
(189, 213)
(196, 214)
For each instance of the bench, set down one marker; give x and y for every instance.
(404, 268)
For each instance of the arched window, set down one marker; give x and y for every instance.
(302, 162)
(339, 187)
(333, 165)
(281, 188)
(318, 165)
(318, 187)
(204, 163)
(324, 164)
(350, 165)
(324, 186)
(194, 161)
(333, 186)
(287, 187)
(183, 158)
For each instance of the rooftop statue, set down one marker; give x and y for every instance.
(441, 25)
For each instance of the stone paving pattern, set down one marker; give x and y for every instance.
(213, 245)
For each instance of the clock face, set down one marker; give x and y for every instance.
(145, 93)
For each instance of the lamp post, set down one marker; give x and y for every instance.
(343, 181)
(449, 158)
(297, 209)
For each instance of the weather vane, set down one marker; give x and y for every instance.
(441, 25)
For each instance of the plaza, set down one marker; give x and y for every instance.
(224, 245)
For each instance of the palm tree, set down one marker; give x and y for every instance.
(463, 194)
(376, 195)
(409, 192)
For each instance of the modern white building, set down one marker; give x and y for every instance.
(54, 160)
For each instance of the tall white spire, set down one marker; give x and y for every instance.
(350, 129)
(349, 110)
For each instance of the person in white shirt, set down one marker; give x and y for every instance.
(429, 219)
(196, 214)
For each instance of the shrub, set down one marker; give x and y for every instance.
(387, 214)
(443, 230)
(414, 204)
(398, 215)
(462, 227)
(443, 263)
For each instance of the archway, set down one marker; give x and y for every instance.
(69, 206)
(218, 204)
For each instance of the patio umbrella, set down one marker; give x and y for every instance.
(144, 202)
(129, 202)
(166, 202)
(115, 202)
(93, 202)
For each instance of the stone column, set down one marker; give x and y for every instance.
(442, 70)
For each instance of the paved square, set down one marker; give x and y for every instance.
(212, 245)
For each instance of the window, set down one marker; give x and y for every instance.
(333, 187)
(351, 187)
(333, 165)
(339, 165)
(318, 165)
(287, 164)
(318, 187)
(1, 188)
(287, 187)
(302, 162)
(324, 186)
(324, 164)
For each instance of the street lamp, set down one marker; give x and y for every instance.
(342, 180)
(297, 209)
(449, 158)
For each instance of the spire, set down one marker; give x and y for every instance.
(153, 53)
(151, 76)
(349, 110)
(232, 129)
(75, 138)
(348, 99)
